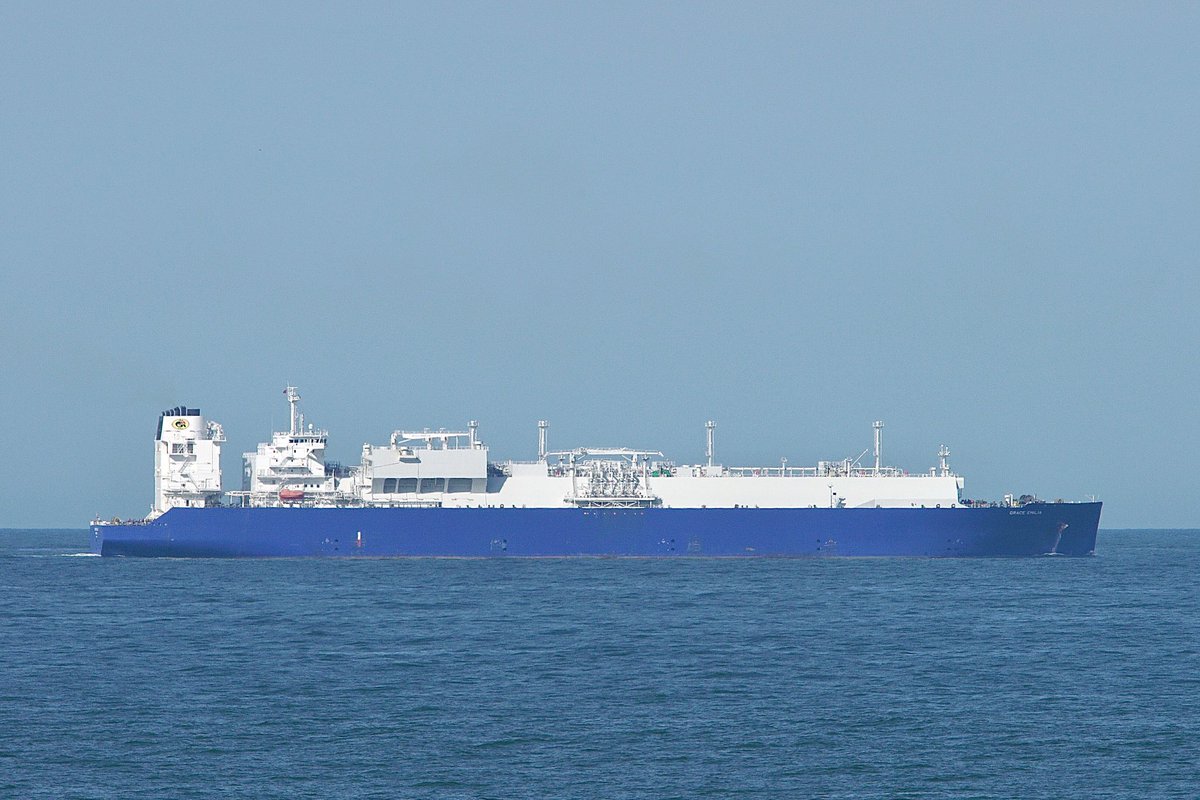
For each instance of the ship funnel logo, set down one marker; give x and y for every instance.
(180, 424)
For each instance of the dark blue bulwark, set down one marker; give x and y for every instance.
(1038, 529)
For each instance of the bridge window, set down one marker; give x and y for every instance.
(458, 485)
(406, 485)
(389, 485)
(432, 484)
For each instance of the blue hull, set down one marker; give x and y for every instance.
(1041, 529)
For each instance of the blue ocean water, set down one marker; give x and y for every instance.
(1029, 678)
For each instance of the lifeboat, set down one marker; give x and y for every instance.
(291, 495)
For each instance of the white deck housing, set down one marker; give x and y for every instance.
(451, 469)
(187, 460)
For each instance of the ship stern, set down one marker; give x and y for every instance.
(129, 539)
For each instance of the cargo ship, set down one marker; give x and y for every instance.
(436, 493)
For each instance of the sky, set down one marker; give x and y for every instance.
(977, 222)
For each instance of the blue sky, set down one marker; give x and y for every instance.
(977, 222)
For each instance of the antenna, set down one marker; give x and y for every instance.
(710, 426)
(944, 460)
(542, 426)
(293, 396)
(878, 426)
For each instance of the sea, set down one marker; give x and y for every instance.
(1049, 677)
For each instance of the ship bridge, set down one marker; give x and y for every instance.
(291, 468)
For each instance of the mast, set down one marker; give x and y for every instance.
(878, 426)
(293, 397)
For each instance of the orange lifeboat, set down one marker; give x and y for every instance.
(291, 495)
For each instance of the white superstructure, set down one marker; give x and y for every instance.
(452, 469)
(291, 468)
(187, 460)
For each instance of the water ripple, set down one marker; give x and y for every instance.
(600, 677)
